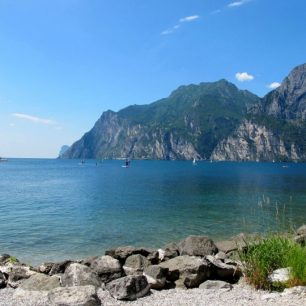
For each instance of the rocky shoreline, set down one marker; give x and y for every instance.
(196, 271)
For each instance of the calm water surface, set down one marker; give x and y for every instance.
(59, 209)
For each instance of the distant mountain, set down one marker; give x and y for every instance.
(63, 149)
(188, 124)
(275, 128)
(206, 121)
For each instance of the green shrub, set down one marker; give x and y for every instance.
(262, 258)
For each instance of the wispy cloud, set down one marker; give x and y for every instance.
(177, 26)
(238, 3)
(34, 119)
(244, 76)
(274, 85)
(189, 18)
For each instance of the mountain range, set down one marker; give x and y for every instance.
(213, 120)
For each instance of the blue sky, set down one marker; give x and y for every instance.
(64, 62)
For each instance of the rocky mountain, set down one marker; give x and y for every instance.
(274, 129)
(63, 149)
(188, 124)
(206, 121)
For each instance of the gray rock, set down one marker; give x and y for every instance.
(197, 246)
(60, 267)
(40, 282)
(74, 296)
(301, 230)
(88, 261)
(80, 275)
(190, 269)
(226, 246)
(215, 284)
(16, 273)
(137, 261)
(221, 256)
(171, 250)
(156, 276)
(121, 253)
(2, 280)
(129, 287)
(107, 268)
(223, 270)
(297, 290)
(280, 275)
(300, 239)
(45, 267)
(6, 258)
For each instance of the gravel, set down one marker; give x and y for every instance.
(241, 294)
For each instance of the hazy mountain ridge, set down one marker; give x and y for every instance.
(206, 121)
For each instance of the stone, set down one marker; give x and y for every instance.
(60, 267)
(137, 261)
(223, 270)
(197, 246)
(270, 296)
(221, 256)
(171, 250)
(153, 257)
(80, 275)
(129, 287)
(107, 268)
(301, 230)
(192, 270)
(40, 282)
(74, 296)
(300, 239)
(226, 246)
(215, 284)
(2, 280)
(45, 267)
(156, 276)
(297, 290)
(6, 258)
(280, 275)
(88, 261)
(16, 273)
(121, 253)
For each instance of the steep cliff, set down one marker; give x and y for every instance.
(188, 124)
(274, 129)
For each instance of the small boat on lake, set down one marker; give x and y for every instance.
(3, 159)
(126, 163)
(194, 162)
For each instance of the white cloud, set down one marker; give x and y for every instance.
(274, 85)
(176, 26)
(167, 32)
(238, 3)
(189, 18)
(244, 76)
(34, 119)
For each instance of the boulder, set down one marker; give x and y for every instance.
(221, 256)
(121, 253)
(224, 271)
(45, 267)
(60, 267)
(129, 287)
(215, 284)
(6, 258)
(107, 268)
(2, 280)
(40, 282)
(280, 275)
(74, 296)
(136, 262)
(156, 276)
(191, 270)
(197, 246)
(301, 230)
(88, 261)
(300, 239)
(226, 246)
(80, 275)
(297, 290)
(16, 273)
(171, 250)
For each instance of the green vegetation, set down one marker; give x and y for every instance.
(261, 258)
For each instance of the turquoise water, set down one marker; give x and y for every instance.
(58, 209)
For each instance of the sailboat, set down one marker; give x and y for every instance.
(126, 163)
(3, 159)
(194, 162)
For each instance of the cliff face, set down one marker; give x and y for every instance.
(275, 128)
(188, 124)
(206, 121)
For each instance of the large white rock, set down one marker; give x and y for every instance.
(280, 275)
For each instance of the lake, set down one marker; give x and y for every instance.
(60, 209)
